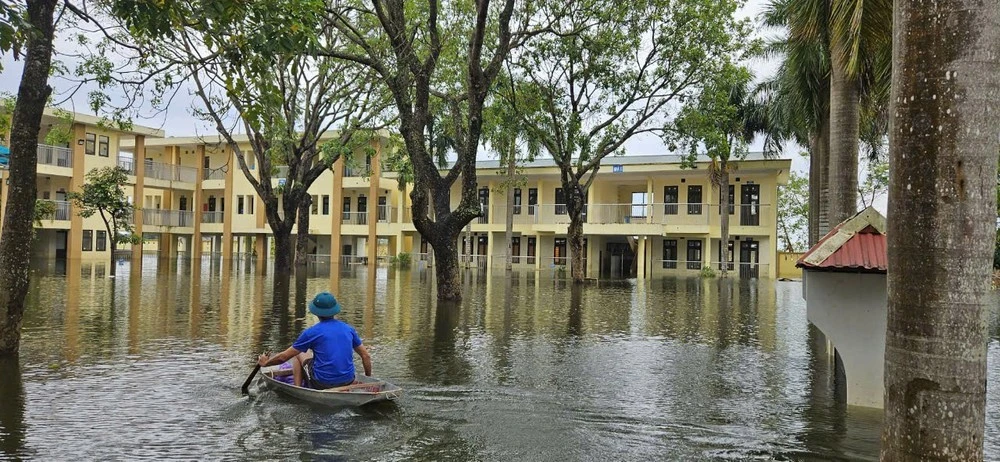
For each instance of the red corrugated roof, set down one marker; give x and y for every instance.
(862, 250)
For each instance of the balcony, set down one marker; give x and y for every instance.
(212, 217)
(386, 214)
(127, 164)
(176, 218)
(170, 172)
(523, 214)
(212, 174)
(63, 210)
(354, 218)
(55, 155)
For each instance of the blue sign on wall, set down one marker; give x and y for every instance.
(617, 169)
(281, 181)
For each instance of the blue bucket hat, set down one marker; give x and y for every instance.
(324, 305)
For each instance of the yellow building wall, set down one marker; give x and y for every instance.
(786, 265)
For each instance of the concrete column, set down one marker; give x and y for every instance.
(74, 244)
(196, 201)
(138, 191)
(640, 254)
(373, 205)
(336, 215)
(227, 216)
(709, 253)
(649, 200)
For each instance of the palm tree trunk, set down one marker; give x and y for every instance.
(18, 231)
(943, 152)
(823, 217)
(844, 107)
(815, 160)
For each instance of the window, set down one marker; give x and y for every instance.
(559, 251)
(103, 146)
(326, 204)
(88, 240)
(517, 201)
(719, 249)
(90, 147)
(383, 209)
(183, 203)
(694, 200)
(531, 250)
(732, 200)
(694, 254)
(102, 241)
(347, 209)
(315, 205)
(362, 210)
(670, 200)
(532, 200)
(250, 202)
(239, 205)
(560, 202)
(670, 253)
(638, 205)
(515, 249)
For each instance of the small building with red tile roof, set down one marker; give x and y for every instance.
(844, 285)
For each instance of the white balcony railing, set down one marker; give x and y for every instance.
(523, 214)
(127, 164)
(386, 214)
(63, 210)
(354, 218)
(181, 218)
(170, 172)
(212, 217)
(213, 174)
(55, 155)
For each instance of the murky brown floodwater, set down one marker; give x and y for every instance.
(681, 369)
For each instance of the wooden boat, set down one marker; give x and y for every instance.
(365, 390)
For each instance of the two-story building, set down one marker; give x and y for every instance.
(645, 215)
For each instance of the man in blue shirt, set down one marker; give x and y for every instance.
(325, 349)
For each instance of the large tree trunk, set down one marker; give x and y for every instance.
(15, 241)
(844, 106)
(943, 152)
(302, 243)
(574, 207)
(509, 265)
(723, 219)
(282, 251)
(446, 269)
(113, 270)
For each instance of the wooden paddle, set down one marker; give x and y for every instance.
(246, 385)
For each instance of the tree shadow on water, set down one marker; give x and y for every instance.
(12, 411)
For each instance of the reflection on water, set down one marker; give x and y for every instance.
(149, 364)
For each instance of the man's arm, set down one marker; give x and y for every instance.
(366, 359)
(265, 360)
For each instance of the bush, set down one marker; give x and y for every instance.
(402, 260)
(560, 271)
(707, 272)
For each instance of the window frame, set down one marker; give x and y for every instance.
(695, 207)
(670, 206)
(669, 263)
(694, 245)
(101, 241)
(103, 145)
(87, 241)
(90, 144)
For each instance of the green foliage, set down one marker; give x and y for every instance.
(707, 272)
(103, 195)
(793, 212)
(722, 122)
(401, 260)
(61, 132)
(7, 103)
(44, 209)
(12, 28)
(560, 272)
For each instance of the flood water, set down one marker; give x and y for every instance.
(148, 365)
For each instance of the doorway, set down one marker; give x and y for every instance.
(750, 205)
(749, 259)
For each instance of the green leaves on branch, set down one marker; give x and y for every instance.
(103, 195)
